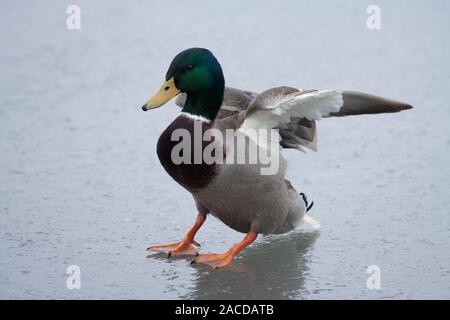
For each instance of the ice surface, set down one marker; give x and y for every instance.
(81, 183)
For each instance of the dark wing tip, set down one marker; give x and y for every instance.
(356, 103)
(407, 106)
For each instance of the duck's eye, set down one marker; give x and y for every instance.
(188, 68)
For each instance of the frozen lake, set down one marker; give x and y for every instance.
(81, 183)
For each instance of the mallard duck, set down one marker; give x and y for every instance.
(239, 194)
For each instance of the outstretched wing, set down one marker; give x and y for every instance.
(299, 131)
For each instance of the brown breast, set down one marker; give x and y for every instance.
(192, 175)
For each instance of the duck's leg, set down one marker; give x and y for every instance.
(185, 246)
(224, 259)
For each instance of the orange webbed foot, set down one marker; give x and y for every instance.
(214, 260)
(224, 259)
(182, 248)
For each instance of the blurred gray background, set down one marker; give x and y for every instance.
(81, 183)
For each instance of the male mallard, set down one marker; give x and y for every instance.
(238, 194)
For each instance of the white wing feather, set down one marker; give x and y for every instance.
(312, 106)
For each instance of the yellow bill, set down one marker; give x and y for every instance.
(167, 92)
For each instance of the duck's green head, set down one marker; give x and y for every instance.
(196, 72)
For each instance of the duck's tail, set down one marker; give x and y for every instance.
(307, 217)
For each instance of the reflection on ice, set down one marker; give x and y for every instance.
(272, 269)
